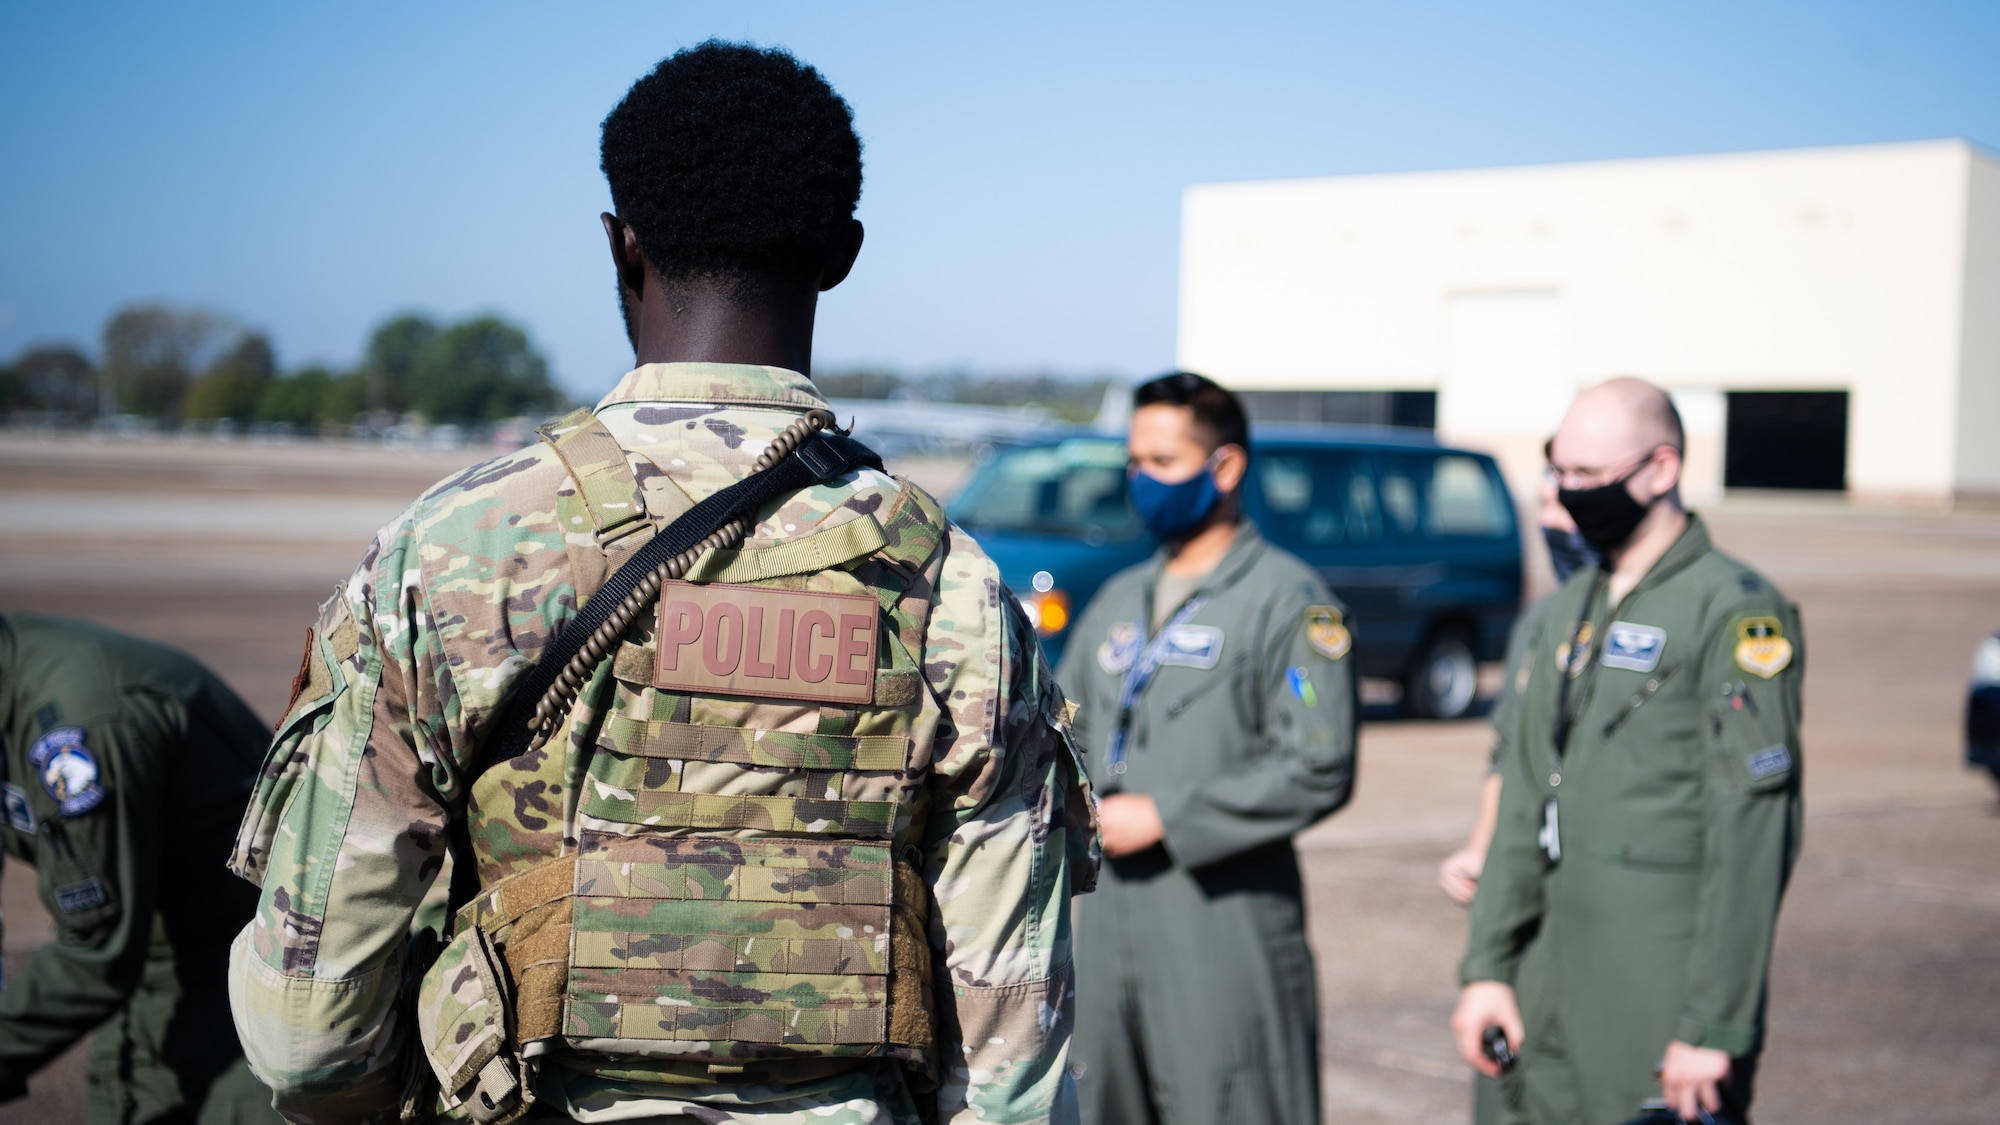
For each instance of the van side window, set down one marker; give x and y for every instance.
(1464, 501)
(1443, 496)
(1399, 495)
(1316, 499)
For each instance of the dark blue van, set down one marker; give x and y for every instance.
(1418, 539)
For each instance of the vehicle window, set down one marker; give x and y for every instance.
(1317, 499)
(1464, 501)
(1399, 496)
(1071, 488)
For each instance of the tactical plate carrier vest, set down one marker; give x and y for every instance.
(743, 797)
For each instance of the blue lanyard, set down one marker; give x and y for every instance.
(1136, 678)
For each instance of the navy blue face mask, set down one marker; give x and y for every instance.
(1568, 553)
(1174, 510)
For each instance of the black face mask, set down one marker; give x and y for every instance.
(1606, 516)
(1568, 553)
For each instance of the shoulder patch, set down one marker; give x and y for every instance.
(68, 770)
(20, 814)
(1761, 647)
(1327, 632)
(80, 896)
(1120, 647)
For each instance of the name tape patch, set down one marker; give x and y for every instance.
(1633, 647)
(1192, 646)
(1768, 761)
(723, 639)
(80, 896)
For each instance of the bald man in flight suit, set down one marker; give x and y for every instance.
(1650, 807)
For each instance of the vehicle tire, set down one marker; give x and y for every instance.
(1444, 681)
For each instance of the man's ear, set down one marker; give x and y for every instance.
(840, 261)
(1232, 464)
(626, 257)
(1668, 464)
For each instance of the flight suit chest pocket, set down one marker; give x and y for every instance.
(1650, 707)
(1183, 687)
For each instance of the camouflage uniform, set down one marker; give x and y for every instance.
(125, 766)
(414, 660)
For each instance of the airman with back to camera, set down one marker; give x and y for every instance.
(797, 831)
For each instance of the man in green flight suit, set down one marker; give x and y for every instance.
(126, 768)
(1217, 709)
(1650, 810)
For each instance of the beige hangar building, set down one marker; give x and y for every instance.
(1826, 318)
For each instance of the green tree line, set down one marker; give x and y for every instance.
(179, 365)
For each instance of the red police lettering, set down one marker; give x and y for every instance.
(722, 651)
(854, 638)
(681, 626)
(754, 665)
(813, 671)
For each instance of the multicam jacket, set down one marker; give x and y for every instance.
(409, 666)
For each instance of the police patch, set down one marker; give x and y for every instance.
(1120, 648)
(1770, 760)
(20, 815)
(68, 770)
(1636, 648)
(1326, 631)
(1192, 646)
(1762, 649)
(80, 896)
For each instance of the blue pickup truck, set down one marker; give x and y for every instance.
(1418, 539)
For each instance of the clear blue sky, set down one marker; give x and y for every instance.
(309, 169)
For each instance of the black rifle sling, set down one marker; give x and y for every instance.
(820, 458)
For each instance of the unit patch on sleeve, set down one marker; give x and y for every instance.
(1761, 647)
(20, 815)
(1326, 631)
(68, 770)
(1120, 648)
(1770, 760)
(1192, 646)
(80, 896)
(1302, 686)
(1636, 648)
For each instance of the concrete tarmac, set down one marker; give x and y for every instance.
(1885, 1003)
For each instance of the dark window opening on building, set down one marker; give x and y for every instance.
(1414, 409)
(1786, 439)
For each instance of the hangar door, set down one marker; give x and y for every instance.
(1786, 439)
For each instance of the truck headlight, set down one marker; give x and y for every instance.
(1048, 610)
(1986, 662)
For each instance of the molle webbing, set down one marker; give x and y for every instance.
(829, 948)
(693, 742)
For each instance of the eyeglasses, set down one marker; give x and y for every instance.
(1575, 479)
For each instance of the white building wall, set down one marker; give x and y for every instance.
(1979, 356)
(1835, 269)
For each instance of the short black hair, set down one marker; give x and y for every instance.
(734, 162)
(1215, 407)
